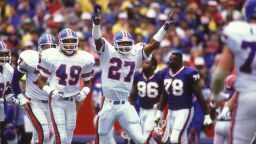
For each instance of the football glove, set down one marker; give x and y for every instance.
(96, 17)
(207, 120)
(225, 113)
(23, 100)
(81, 95)
(10, 98)
(57, 95)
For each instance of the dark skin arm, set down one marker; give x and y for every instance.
(41, 82)
(163, 101)
(198, 93)
(133, 94)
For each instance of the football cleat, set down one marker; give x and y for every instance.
(68, 41)
(46, 41)
(5, 54)
(123, 42)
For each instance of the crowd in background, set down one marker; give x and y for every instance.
(197, 35)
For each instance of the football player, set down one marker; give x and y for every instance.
(180, 84)
(148, 86)
(97, 96)
(37, 100)
(63, 67)
(223, 123)
(240, 39)
(6, 73)
(118, 63)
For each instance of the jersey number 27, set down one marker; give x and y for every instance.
(116, 66)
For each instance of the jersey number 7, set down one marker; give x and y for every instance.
(247, 66)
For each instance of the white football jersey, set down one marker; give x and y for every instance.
(241, 39)
(118, 70)
(6, 79)
(64, 72)
(27, 63)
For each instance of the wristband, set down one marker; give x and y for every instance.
(160, 34)
(86, 90)
(96, 33)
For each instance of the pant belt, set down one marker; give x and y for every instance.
(68, 99)
(42, 101)
(116, 102)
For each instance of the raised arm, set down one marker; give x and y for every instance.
(158, 37)
(96, 33)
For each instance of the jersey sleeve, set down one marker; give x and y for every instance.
(232, 32)
(23, 66)
(87, 70)
(194, 75)
(141, 55)
(45, 66)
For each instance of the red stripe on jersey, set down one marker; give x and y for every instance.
(86, 74)
(43, 69)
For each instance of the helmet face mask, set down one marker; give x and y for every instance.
(69, 45)
(47, 46)
(123, 42)
(5, 54)
(5, 57)
(124, 47)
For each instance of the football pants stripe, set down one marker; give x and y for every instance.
(185, 125)
(55, 128)
(97, 134)
(36, 124)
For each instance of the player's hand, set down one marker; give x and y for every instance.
(169, 22)
(158, 117)
(80, 96)
(10, 98)
(207, 120)
(225, 113)
(96, 17)
(23, 101)
(57, 95)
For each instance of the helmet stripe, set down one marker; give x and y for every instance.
(125, 34)
(48, 38)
